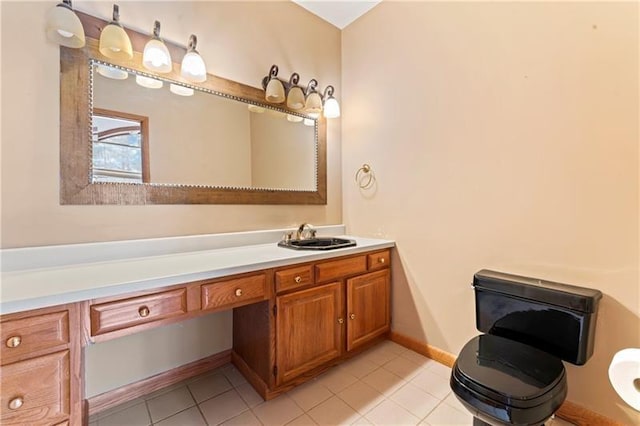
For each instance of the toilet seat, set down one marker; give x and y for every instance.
(508, 381)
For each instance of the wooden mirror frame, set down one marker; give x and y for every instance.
(75, 129)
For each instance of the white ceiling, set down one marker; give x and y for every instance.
(339, 13)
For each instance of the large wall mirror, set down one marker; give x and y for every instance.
(131, 137)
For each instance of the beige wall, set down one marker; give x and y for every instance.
(503, 135)
(238, 40)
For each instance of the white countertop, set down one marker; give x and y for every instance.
(27, 289)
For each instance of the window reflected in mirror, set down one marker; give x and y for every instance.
(119, 147)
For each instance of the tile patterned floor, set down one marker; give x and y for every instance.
(387, 385)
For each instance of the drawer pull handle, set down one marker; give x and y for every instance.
(14, 341)
(340, 321)
(381, 260)
(16, 403)
(238, 292)
(298, 279)
(144, 311)
(352, 316)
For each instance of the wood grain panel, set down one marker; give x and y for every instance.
(252, 329)
(43, 385)
(32, 335)
(237, 292)
(294, 278)
(368, 305)
(329, 271)
(309, 329)
(126, 313)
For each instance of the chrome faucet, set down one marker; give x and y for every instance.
(305, 231)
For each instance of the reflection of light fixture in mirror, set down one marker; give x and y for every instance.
(180, 90)
(156, 56)
(110, 72)
(64, 26)
(255, 108)
(114, 41)
(309, 122)
(294, 118)
(331, 105)
(274, 92)
(148, 82)
(295, 98)
(193, 67)
(313, 103)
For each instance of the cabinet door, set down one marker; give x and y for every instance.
(309, 326)
(367, 307)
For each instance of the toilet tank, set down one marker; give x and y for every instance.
(558, 318)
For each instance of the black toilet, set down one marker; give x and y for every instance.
(513, 374)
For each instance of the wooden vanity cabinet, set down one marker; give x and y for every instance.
(40, 367)
(321, 314)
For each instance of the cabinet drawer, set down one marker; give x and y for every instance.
(36, 391)
(378, 260)
(27, 336)
(340, 268)
(294, 278)
(121, 314)
(231, 293)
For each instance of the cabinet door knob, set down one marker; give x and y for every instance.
(144, 311)
(298, 279)
(13, 341)
(238, 292)
(352, 316)
(16, 403)
(381, 260)
(340, 320)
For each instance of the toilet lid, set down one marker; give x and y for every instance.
(509, 372)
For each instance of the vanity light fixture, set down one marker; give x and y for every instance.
(148, 82)
(331, 105)
(111, 72)
(313, 103)
(193, 67)
(274, 89)
(156, 56)
(176, 89)
(307, 101)
(295, 97)
(114, 41)
(308, 122)
(255, 108)
(64, 27)
(294, 118)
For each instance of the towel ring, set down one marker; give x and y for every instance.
(364, 176)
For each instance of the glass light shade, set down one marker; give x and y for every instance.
(294, 118)
(115, 43)
(156, 56)
(308, 122)
(295, 98)
(331, 108)
(193, 67)
(274, 92)
(111, 72)
(148, 82)
(255, 108)
(64, 27)
(313, 105)
(181, 90)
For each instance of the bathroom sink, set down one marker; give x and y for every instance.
(319, 243)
